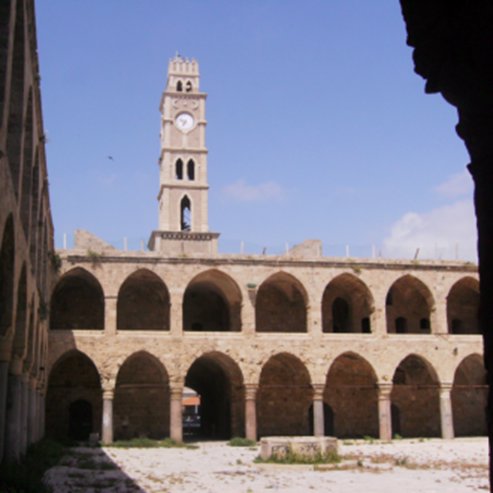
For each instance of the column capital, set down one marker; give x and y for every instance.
(108, 394)
(250, 391)
(384, 390)
(318, 391)
(176, 392)
(445, 388)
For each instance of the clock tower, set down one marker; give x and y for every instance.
(183, 191)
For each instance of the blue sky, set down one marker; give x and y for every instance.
(317, 125)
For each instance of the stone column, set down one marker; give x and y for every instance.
(176, 313)
(176, 418)
(314, 320)
(318, 410)
(4, 371)
(248, 310)
(438, 318)
(384, 411)
(251, 411)
(31, 420)
(24, 414)
(13, 421)
(107, 427)
(110, 316)
(447, 421)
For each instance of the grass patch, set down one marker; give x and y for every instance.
(26, 476)
(150, 443)
(291, 457)
(241, 442)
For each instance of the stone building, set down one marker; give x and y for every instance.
(274, 345)
(26, 235)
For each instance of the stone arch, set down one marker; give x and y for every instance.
(77, 302)
(7, 265)
(189, 86)
(26, 179)
(218, 380)
(185, 213)
(463, 307)
(20, 336)
(469, 397)
(179, 169)
(143, 302)
(281, 305)
(191, 169)
(212, 302)
(179, 86)
(347, 305)
(352, 395)
(141, 401)
(415, 398)
(34, 211)
(74, 378)
(284, 397)
(409, 304)
(5, 13)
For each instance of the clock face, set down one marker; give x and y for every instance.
(184, 122)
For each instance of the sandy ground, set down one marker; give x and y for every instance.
(403, 466)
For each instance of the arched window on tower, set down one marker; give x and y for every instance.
(179, 169)
(188, 86)
(185, 214)
(179, 86)
(191, 169)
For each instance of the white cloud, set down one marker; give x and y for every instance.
(240, 191)
(445, 232)
(457, 185)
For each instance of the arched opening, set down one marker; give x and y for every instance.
(34, 212)
(280, 305)
(408, 307)
(143, 303)
(212, 302)
(469, 397)
(80, 419)
(27, 166)
(179, 86)
(77, 302)
(284, 397)
(185, 214)
(463, 307)
(21, 314)
(191, 169)
(74, 398)
(141, 404)
(5, 8)
(179, 169)
(16, 103)
(188, 86)
(346, 305)
(7, 276)
(415, 394)
(351, 393)
(217, 379)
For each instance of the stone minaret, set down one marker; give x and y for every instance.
(183, 187)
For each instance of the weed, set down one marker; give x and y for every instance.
(291, 457)
(150, 443)
(369, 439)
(241, 442)
(401, 461)
(397, 436)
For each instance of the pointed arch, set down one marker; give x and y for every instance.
(74, 397)
(191, 169)
(5, 13)
(141, 403)
(469, 397)
(212, 302)
(179, 86)
(415, 398)
(284, 396)
(26, 179)
(188, 86)
(77, 302)
(179, 169)
(409, 304)
(463, 307)
(347, 305)
(34, 211)
(185, 214)
(143, 302)
(218, 381)
(351, 393)
(7, 276)
(20, 336)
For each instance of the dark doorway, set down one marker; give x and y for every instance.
(80, 420)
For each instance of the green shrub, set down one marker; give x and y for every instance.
(149, 443)
(291, 457)
(241, 442)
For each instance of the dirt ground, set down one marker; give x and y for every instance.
(405, 466)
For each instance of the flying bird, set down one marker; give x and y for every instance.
(110, 158)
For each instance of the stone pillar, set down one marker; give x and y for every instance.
(314, 320)
(24, 414)
(4, 371)
(42, 415)
(176, 417)
(176, 313)
(31, 420)
(447, 421)
(107, 427)
(438, 318)
(13, 421)
(378, 318)
(110, 303)
(384, 411)
(248, 310)
(318, 410)
(251, 411)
